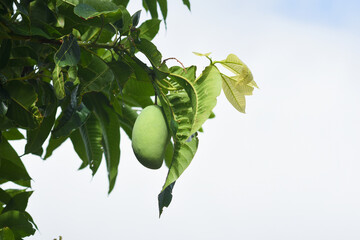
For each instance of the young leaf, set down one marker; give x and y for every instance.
(232, 94)
(235, 65)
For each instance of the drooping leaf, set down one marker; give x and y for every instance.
(165, 197)
(152, 6)
(163, 8)
(91, 135)
(110, 126)
(149, 29)
(187, 3)
(11, 166)
(69, 52)
(127, 118)
(79, 147)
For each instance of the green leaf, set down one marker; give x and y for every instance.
(5, 51)
(95, 75)
(202, 91)
(79, 147)
(151, 5)
(54, 143)
(6, 234)
(149, 29)
(183, 154)
(22, 109)
(163, 8)
(70, 121)
(18, 202)
(202, 54)
(18, 222)
(187, 3)
(122, 72)
(58, 82)
(91, 135)
(110, 127)
(13, 134)
(165, 197)
(136, 18)
(127, 118)
(11, 166)
(69, 52)
(36, 137)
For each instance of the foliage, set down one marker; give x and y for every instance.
(69, 69)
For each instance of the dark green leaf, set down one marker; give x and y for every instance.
(69, 52)
(18, 222)
(187, 3)
(54, 143)
(5, 50)
(94, 75)
(79, 147)
(12, 134)
(122, 72)
(11, 166)
(36, 137)
(136, 18)
(18, 202)
(165, 197)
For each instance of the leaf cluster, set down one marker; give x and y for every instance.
(69, 70)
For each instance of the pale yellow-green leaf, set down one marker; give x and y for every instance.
(202, 54)
(235, 65)
(235, 97)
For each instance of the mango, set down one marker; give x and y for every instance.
(150, 136)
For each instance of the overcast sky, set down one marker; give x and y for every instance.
(287, 169)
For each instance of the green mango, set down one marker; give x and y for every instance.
(150, 136)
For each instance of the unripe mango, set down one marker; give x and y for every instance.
(150, 136)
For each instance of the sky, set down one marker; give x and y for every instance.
(287, 169)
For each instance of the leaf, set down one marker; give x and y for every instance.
(13, 134)
(6, 234)
(165, 197)
(79, 147)
(54, 143)
(58, 82)
(91, 135)
(235, 65)
(11, 166)
(18, 222)
(127, 119)
(187, 3)
(136, 18)
(202, 54)
(122, 72)
(163, 8)
(110, 127)
(95, 75)
(18, 202)
(36, 137)
(69, 123)
(149, 29)
(69, 52)
(5, 51)
(233, 95)
(151, 5)
(202, 91)
(22, 107)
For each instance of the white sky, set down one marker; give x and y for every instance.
(288, 169)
